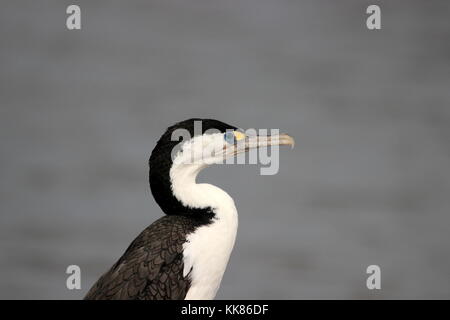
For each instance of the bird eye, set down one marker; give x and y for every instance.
(229, 137)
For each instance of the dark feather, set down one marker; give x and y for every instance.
(152, 266)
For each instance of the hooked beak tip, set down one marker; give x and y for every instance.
(287, 140)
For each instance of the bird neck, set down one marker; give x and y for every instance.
(207, 250)
(200, 195)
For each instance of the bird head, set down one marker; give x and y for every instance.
(194, 144)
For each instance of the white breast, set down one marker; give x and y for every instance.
(207, 251)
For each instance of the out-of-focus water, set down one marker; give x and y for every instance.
(368, 182)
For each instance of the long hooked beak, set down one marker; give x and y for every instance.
(245, 143)
(283, 139)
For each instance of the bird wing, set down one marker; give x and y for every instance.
(152, 266)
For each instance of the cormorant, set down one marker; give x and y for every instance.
(183, 255)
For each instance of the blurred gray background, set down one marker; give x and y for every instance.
(368, 182)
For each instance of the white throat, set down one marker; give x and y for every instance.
(208, 248)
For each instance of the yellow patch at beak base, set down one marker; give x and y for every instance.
(238, 135)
